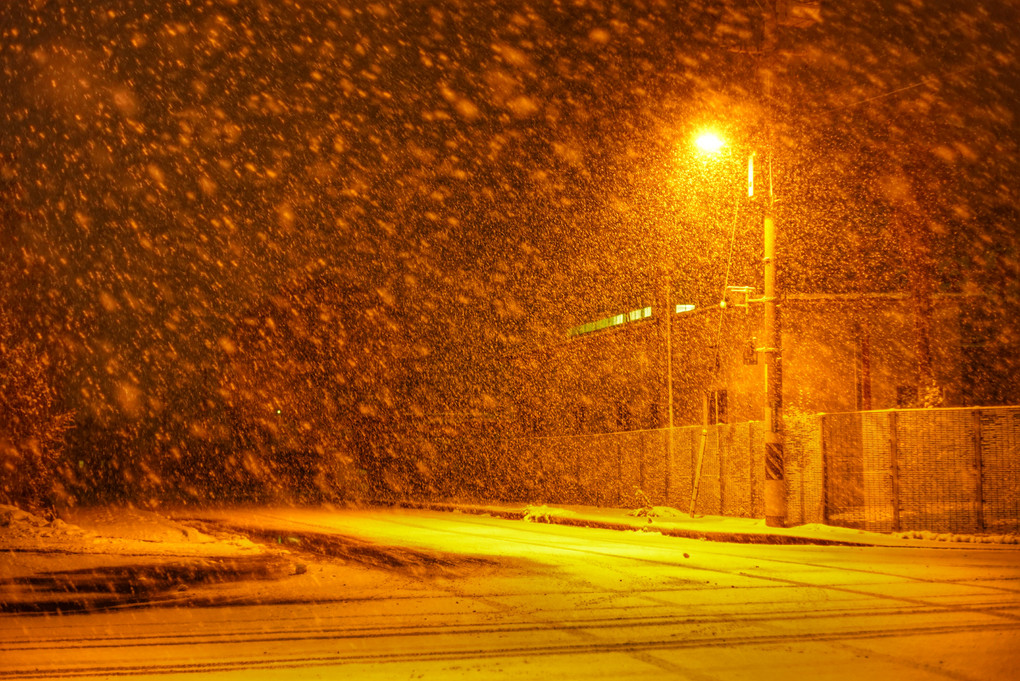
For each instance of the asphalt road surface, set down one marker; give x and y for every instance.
(428, 595)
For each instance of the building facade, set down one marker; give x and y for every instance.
(840, 353)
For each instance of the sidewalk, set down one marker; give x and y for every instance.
(674, 523)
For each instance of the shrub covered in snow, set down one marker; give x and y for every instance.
(32, 428)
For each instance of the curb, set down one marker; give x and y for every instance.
(684, 533)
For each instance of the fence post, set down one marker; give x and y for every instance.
(582, 494)
(696, 480)
(825, 469)
(669, 464)
(751, 469)
(894, 468)
(979, 490)
(619, 473)
(641, 466)
(722, 470)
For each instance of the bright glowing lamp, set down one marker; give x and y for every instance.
(709, 142)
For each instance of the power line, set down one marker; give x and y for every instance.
(931, 80)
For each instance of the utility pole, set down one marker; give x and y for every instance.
(791, 14)
(775, 473)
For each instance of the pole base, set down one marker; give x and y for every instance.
(775, 503)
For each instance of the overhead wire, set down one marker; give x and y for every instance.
(726, 282)
(931, 80)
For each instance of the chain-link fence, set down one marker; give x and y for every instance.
(944, 470)
(659, 467)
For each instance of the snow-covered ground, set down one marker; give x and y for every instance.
(99, 557)
(111, 557)
(109, 530)
(410, 593)
(671, 521)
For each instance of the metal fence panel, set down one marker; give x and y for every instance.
(685, 451)
(843, 469)
(937, 476)
(654, 465)
(880, 510)
(735, 464)
(804, 470)
(709, 487)
(941, 470)
(632, 456)
(998, 435)
(945, 470)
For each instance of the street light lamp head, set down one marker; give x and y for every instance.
(709, 142)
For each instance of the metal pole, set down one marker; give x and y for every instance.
(979, 492)
(894, 468)
(775, 476)
(697, 470)
(669, 384)
(705, 421)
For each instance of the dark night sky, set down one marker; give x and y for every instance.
(495, 172)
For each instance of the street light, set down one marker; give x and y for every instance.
(709, 142)
(775, 477)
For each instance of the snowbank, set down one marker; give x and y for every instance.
(966, 538)
(98, 559)
(545, 514)
(111, 531)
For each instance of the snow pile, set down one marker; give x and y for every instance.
(18, 526)
(1009, 538)
(657, 512)
(102, 558)
(112, 531)
(135, 524)
(545, 514)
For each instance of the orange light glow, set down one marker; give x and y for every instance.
(709, 142)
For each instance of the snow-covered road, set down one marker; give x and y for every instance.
(415, 594)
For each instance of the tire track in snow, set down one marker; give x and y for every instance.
(390, 631)
(597, 634)
(477, 653)
(767, 578)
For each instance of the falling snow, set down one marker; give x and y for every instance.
(326, 253)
